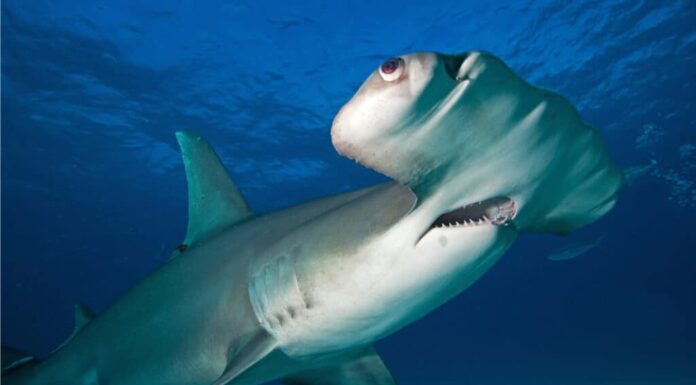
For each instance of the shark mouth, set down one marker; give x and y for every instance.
(497, 211)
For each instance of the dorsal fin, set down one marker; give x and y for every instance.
(82, 317)
(215, 202)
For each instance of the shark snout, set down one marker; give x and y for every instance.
(338, 139)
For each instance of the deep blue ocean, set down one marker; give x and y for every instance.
(94, 195)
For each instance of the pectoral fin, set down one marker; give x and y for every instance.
(259, 346)
(366, 369)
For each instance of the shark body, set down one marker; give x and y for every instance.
(301, 294)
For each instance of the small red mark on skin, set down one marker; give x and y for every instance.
(182, 247)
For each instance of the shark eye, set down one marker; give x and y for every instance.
(392, 69)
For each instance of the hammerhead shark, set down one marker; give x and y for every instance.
(477, 156)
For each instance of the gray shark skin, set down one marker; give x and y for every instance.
(478, 156)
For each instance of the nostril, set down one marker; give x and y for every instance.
(453, 63)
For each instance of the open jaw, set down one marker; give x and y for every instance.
(496, 211)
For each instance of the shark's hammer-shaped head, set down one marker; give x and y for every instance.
(486, 155)
(381, 126)
(478, 144)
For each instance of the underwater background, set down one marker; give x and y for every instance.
(94, 194)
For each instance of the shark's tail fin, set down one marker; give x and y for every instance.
(12, 358)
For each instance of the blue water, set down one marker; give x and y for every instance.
(94, 195)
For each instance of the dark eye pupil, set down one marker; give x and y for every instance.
(390, 66)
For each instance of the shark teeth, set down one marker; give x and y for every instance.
(466, 223)
(498, 211)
